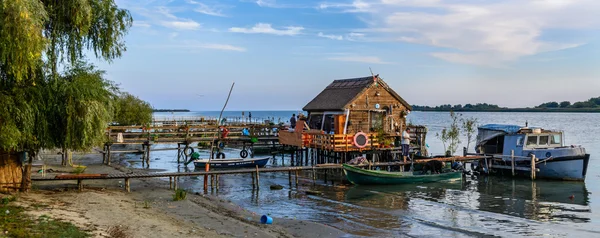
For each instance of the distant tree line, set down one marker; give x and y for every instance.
(458, 107)
(591, 105)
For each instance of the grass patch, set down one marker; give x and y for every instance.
(15, 223)
(180, 194)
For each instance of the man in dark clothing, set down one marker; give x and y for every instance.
(293, 121)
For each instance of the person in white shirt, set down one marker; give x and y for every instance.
(405, 143)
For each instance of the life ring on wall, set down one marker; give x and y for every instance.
(360, 140)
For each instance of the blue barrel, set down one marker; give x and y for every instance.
(266, 219)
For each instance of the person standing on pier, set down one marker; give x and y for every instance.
(405, 143)
(293, 121)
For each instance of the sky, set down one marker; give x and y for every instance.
(281, 54)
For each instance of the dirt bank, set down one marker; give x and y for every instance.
(149, 210)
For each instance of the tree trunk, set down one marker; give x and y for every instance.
(11, 173)
(26, 181)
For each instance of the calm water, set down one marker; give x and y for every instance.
(474, 207)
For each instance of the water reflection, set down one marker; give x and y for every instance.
(537, 200)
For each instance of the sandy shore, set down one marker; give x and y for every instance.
(149, 210)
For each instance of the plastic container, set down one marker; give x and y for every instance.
(266, 219)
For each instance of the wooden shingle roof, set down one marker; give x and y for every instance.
(343, 91)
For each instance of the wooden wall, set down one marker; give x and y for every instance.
(10, 171)
(359, 114)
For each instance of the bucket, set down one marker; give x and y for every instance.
(266, 219)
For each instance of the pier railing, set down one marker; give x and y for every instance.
(203, 120)
(333, 142)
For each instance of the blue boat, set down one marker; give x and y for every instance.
(556, 160)
(232, 163)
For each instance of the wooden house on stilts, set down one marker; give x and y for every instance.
(358, 114)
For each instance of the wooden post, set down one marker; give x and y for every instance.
(143, 155)
(170, 182)
(296, 177)
(532, 166)
(512, 158)
(257, 178)
(290, 177)
(108, 154)
(179, 153)
(217, 181)
(325, 177)
(127, 187)
(314, 176)
(148, 154)
(80, 185)
(104, 154)
(175, 183)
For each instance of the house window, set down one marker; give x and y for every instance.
(532, 140)
(543, 140)
(376, 121)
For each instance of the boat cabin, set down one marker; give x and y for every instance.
(501, 139)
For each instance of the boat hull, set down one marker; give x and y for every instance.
(232, 163)
(369, 177)
(562, 168)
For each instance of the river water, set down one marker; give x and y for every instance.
(475, 207)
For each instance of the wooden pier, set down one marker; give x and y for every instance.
(214, 174)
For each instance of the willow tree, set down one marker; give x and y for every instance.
(42, 108)
(130, 110)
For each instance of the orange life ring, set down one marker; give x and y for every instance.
(360, 140)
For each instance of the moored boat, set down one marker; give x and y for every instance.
(232, 163)
(556, 160)
(360, 176)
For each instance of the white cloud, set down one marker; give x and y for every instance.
(181, 25)
(333, 37)
(359, 59)
(200, 45)
(141, 24)
(266, 28)
(266, 3)
(208, 10)
(354, 6)
(222, 47)
(158, 14)
(482, 32)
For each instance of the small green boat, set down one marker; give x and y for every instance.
(360, 176)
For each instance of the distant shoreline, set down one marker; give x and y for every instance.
(171, 110)
(580, 110)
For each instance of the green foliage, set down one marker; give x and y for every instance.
(21, 38)
(549, 105)
(180, 194)
(40, 107)
(565, 104)
(451, 136)
(132, 111)
(469, 127)
(16, 223)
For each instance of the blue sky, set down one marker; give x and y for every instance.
(280, 54)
